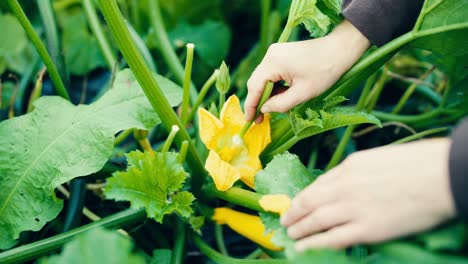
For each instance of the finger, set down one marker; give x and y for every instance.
(259, 119)
(319, 220)
(256, 85)
(286, 100)
(337, 238)
(316, 194)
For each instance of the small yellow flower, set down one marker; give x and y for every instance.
(276, 203)
(232, 158)
(250, 226)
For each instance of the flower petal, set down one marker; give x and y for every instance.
(258, 136)
(250, 226)
(276, 203)
(224, 175)
(248, 165)
(210, 127)
(232, 115)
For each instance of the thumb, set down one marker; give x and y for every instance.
(284, 101)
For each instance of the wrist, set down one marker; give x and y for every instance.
(350, 40)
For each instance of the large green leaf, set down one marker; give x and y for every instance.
(285, 174)
(95, 247)
(211, 39)
(323, 116)
(58, 142)
(442, 14)
(153, 180)
(82, 52)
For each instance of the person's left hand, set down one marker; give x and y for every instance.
(374, 195)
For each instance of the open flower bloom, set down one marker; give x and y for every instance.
(276, 203)
(250, 226)
(232, 158)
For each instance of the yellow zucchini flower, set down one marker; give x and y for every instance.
(231, 157)
(276, 203)
(250, 226)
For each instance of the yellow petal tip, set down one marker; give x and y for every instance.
(276, 203)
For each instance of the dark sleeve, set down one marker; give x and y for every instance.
(458, 167)
(382, 20)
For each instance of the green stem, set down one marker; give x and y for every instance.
(284, 147)
(338, 154)
(408, 119)
(265, 95)
(166, 49)
(140, 43)
(179, 244)
(53, 73)
(208, 84)
(183, 152)
(420, 135)
(409, 91)
(255, 254)
(374, 95)
(219, 237)
(237, 196)
(122, 136)
(221, 259)
(99, 33)
(170, 139)
(222, 99)
(53, 43)
(187, 81)
(151, 88)
(39, 248)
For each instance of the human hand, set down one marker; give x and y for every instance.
(374, 195)
(310, 67)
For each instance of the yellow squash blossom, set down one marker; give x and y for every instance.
(250, 226)
(231, 157)
(276, 203)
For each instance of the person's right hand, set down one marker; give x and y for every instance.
(310, 67)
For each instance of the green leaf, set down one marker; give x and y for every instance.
(197, 222)
(322, 256)
(13, 36)
(211, 39)
(307, 13)
(440, 14)
(58, 142)
(161, 256)
(285, 174)
(97, 246)
(451, 237)
(153, 180)
(323, 116)
(81, 48)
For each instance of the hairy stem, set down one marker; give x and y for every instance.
(237, 196)
(41, 49)
(151, 88)
(187, 81)
(420, 135)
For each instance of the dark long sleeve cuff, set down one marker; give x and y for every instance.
(458, 166)
(382, 20)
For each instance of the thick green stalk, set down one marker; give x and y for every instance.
(41, 49)
(202, 95)
(39, 248)
(340, 149)
(419, 135)
(408, 119)
(283, 147)
(166, 49)
(150, 87)
(237, 196)
(179, 244)
(93, 20)
(53, 43)
(374, 95)
(140, 43)
(221, 259)
(187, 81)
